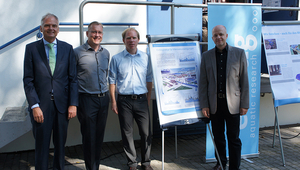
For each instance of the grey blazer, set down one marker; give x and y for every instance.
(237, 85)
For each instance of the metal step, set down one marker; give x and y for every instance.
(14, 123)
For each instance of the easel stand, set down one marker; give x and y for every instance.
(212, 137)
(163, 145)
(162, 149)
(276, 125)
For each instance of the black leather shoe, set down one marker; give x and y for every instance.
(148, 167)
(217, 167)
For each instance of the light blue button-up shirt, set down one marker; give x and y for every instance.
(130, 72)
(47, 48)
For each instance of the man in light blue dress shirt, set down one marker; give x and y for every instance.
(130, 74)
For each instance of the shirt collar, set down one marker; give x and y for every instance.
(224, 50)
(46, 42)
(88, 47)
(126, 53)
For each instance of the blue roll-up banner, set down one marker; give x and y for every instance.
(243, 24)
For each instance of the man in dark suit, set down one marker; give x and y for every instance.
(51, 88)
(224, 94)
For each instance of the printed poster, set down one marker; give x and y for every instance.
(282, 48)
(176, 75)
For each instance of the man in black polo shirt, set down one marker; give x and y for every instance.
(224, 95)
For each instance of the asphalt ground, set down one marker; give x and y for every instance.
(190, 154)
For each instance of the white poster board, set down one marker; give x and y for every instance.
(282, 48)
(176, 75)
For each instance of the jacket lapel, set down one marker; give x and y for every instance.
(43, 55)
(59, 55)
(214, 64)
(229, 60)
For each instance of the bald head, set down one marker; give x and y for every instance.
(219, 27)
(219, 36)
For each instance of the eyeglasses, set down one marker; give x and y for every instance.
(95, 32)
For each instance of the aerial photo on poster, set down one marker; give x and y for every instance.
(179, 79)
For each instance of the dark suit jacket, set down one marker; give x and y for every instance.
(237, 85)
(38, 81)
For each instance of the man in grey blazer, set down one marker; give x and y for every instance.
(224, 95)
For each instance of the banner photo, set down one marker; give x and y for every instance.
(282, 49)
(243, 24)
(176, 75)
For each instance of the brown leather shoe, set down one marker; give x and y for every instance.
(217, 167)
(148, 167)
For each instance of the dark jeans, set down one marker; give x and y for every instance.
(92, 115)
(129, 110)
(233, 131)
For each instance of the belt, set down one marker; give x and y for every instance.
(94, 95)
(221, 96)
(134, 96)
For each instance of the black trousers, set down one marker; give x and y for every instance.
(233, 131)
(129, 110)
(92, 115)
(58, 124)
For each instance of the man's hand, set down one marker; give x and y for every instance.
(243, 111)
(205, 112)
(38, 115)
(149, 88)
(112, 91)
(72, 110)
(114, 107)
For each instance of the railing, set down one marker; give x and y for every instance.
(39, 35)
(172, 5)
(19, 38)
(136, 24)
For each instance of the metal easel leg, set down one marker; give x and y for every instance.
(279, 135)
(275, 122)
(218, 157)
(274, 133)
(176, 142)
(162, 149)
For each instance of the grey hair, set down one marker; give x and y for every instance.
(48, 15)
